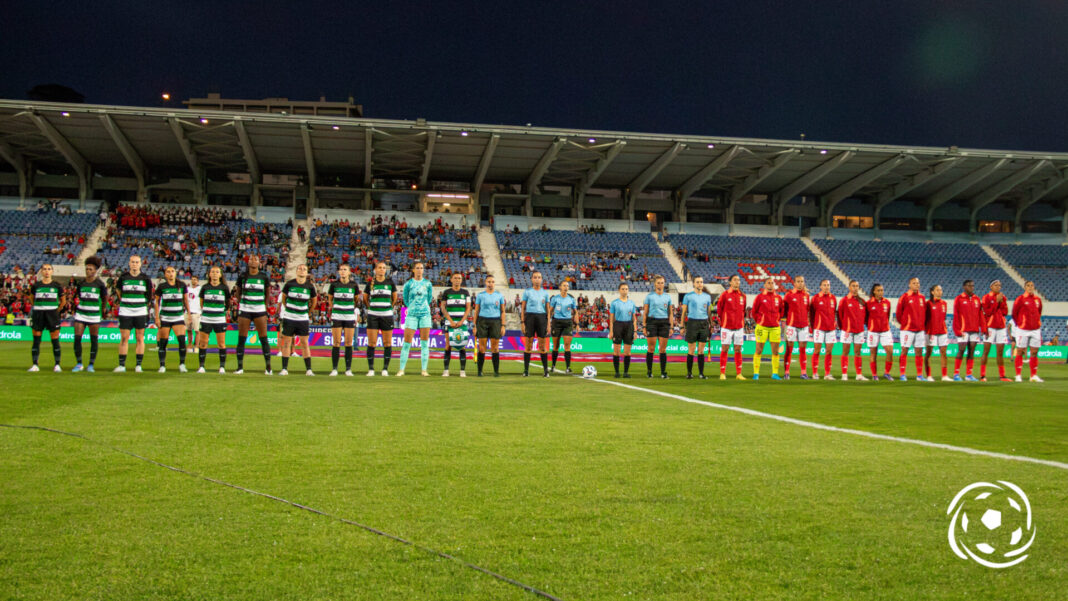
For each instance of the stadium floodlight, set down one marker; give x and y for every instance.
(204, 121)
(824, 151)
(65, 114)
(166, 96)
(336, 127)
(711, 146)
(592, 140)
(463, 133)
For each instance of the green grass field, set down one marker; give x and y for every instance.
(582, 489)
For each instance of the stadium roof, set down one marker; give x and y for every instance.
(124, 141)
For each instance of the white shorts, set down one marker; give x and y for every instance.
(880, 339)
(797, 334)
(858, 338)
(730, 337)
(969, 337)
(193, 321)
(1000, 336)
(1028, 338)
(913, 339)
(938, 340)
(824, 336)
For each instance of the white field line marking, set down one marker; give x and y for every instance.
(818, 426)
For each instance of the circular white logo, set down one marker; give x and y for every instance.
(989, 524)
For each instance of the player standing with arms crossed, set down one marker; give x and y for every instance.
(380, 296)
(47, 298)
(171, 306)
(968, 326)
(534, 318)
(1027, 326)
(877, 310)
(214, 299)
(416, 295)
(92, 297)
(767, 313)
(796, 303)
(730, 306)
(342, 294)
(696, 309)
(134, 290)
(851, 318)
(622, 322)
(995, 308)
(251, 291)
(823, 313)
(937, 334)
(912, 317)
(658, 321)
(455, 303)
(562, 325)
(489, 324)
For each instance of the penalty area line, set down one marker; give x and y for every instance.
(825, 427)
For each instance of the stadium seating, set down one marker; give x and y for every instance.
(30, 238)
(1045, 264)
(443, 250)
(893, 263)
(214, 244)
(716, 258)
(606, 259)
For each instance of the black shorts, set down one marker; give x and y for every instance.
(133, 323)
(696, 330)
(623, 332)
(249, 315)
(294, 328)
(44, 320)
(658, 328)
(212, 328)
(488, 327)
(171, 324)
(337, 323)
(562, 327)
(380, 322)
(536, 324)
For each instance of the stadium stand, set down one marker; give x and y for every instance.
(893, 263)
(33, 237)
(590, 261)
(443, 248)
(716, 258)
(1044, 264)
(192, 240)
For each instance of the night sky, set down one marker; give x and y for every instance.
(930, 72)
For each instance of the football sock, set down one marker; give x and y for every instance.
(265, 348)
(663, 362)
(545, 361)
(526, 361)
(35, 350)
(786, 359)
(140, 357)
(801, 357)
(919, 364)
(1019, 363)
(222, 358)
(387, 354)
(202, 354)
(567, 359)
(615, 363)
(240, 352)
(122, 360)
(307, 363)
(181, 350)
(1034, 363)
(405, 349)
(774, 362)
(448, 356)
(161, 351)
(556, 354)
(463, 359)
(701, 364)
(481, 358)
(371, 358)
(335, 356)
(756, 364)
(738, 360)
(689, 365)
(78, 349)
(348, 358)
(496, 362)
(858, 363)
(723, 359)
(626, 364)
(424, 353)
(649, 363)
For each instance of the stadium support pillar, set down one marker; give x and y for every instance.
(22, 168)
(577, 200)
(1038, 194)
(680, 207)
(1064, 220)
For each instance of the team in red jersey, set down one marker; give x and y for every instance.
(969, 328)
(995, 307)
(768, 314)
(1027, 317)
(797, 303)
(937, 333)
(912, 317)
(878, 322)
(851, 318)
(730, 306)
(823, 313)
